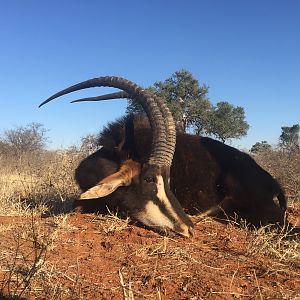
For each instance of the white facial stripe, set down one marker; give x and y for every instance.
(153, 217)
(161, 195)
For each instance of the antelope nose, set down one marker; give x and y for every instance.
(186, 230)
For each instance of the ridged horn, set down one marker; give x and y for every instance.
(167, 116)
(117, 95)
(161, 150)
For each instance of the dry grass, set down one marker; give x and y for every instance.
(44, 185)
(285, 167)
(24, 268)
(29, 188)
(279, 245)
(33, 187)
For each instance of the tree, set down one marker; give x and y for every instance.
(25, 139)
(186, 99)
(260, 147)
(227, 122)
(192, 110)
(289, 138)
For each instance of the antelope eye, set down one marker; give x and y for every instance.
(149, 179)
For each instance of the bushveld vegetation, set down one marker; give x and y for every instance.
(48, 252)
(38, 188)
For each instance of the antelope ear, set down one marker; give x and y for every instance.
(101, 190)
(128, 170)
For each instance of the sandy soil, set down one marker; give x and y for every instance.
(100, 257)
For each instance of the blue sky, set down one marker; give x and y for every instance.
(248, 52)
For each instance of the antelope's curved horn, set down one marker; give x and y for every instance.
(117, 95)
(167, 116)
(162, 150)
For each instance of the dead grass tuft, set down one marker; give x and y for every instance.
(45, 185)
(280, 245)
(111, 222)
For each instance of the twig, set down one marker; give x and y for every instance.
(130, 295)
(231, 282)
(123, 285)
(158, 293)
(228, 293)
(258, 287)
(130, 292)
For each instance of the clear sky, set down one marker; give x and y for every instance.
(248, 52)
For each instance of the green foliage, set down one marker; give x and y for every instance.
(24, 139)
(186, 99)
(192, 110)
(289, 138)
(260, 147)
(227, 122)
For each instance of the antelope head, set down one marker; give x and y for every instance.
(148, 197)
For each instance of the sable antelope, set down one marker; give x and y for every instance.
(206, 176)
(139, 187)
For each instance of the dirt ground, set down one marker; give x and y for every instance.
(102, 257)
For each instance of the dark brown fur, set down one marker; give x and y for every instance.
(204, 172)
